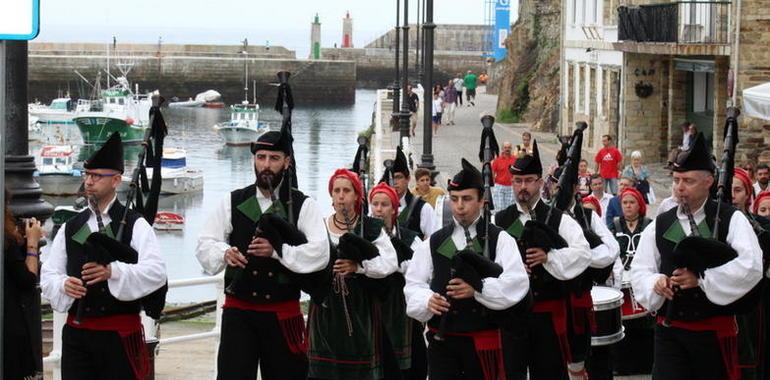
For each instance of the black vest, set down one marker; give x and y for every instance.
(691, 304)
(586, 280)
(467, 314)
(544, 286)
(412, 221)
(628, 240)
(99, 301)
(265, 279)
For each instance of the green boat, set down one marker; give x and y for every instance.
(118, 110)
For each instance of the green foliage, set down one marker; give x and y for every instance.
(506, 115)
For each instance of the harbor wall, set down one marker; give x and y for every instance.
(189, 70)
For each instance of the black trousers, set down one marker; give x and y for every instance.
(454, 358)
(599, 364)
(419, 369)
(534, 347)
(89, 354)
(682, 355)
(253, 339)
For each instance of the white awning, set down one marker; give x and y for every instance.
(756, 101)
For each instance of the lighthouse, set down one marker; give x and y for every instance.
(315, 38)
(347, 31)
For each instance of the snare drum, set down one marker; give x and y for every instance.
(631, 308)
(607, 302)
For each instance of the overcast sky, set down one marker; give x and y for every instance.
(285, 23)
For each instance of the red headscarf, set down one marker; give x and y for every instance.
(763, 196)
(383, 188)
(639, 199)
(595, 202)
(353, 178)
(743, 175)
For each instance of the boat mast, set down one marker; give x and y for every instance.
(245, 70)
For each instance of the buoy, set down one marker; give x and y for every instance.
(129, 121)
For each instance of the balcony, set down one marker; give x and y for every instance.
(682, 27)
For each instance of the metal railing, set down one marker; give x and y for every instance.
(53, 360)
(684, 22)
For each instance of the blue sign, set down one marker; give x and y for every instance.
(19, 19)
(502, 27)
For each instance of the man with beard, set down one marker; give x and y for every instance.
(698, 338)
(763, 177)
(250, 235)
(450, 286)
(555, 253)
(413, 213)
(100, 281)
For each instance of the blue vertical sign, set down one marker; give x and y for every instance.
(502, 27)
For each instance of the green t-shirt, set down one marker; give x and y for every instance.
(470, 81)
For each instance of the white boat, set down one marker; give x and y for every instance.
(187, 104)
(34, 132)
(59, 112)
(201, 100)
(168, 221)
(56, 173)
(177, 177)
(244, 126)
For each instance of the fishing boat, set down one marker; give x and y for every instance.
(56, 171)
(177, 178)
(168, 221)
(244, 126)
(59, 112)
(34, 133)
(191, 103)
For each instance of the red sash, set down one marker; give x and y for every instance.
(289, 318)
(582, 311)
(489, 348)
(129, 328)
(558, 311)
(726, 330)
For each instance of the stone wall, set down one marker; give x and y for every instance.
(754, 62)
(73, 48)
(375, 67)
(643, 116)
(182, 76)
(529, 91)
(447, 37)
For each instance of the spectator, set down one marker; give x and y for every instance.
(688, 134)
(414, 105)
(640, 174)
(597, 191)
(483, 77)
(423, 189)
(458, 81)
(21, 302)
(748, 166)
(526, 145)
(438, 106)
(469, 82)
(762, 204)
(450, 100)
(614, 208)
(763, 177)
(584, 179)
(608, 159)
(502, 192)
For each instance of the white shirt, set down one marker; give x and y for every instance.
(306, 258)
(604, 255)
(723, 284)
(565, 263)
(758, 188)
(459, 84)
(381, 266)
(438, 104)
(605, 201)
(427, 224)
(128, 282)
(667, 204)
(497, 293)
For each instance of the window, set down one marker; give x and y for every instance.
(48, 161)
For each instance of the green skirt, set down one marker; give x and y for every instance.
(397, 324)
(342, 350)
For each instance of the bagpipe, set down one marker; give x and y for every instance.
(103, 249)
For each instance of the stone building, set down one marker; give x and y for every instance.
(637, 69)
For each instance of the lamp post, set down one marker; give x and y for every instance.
(418, 46)
(427, 137)
(395, 90)
(420, 58)
(403, 116)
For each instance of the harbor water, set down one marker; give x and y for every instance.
(324, 139)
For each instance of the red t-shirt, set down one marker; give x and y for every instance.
(501, 171)
(608, 160)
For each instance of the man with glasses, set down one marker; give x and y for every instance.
(99, 281)
(555, 252)
(413, 213)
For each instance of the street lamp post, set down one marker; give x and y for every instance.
(395, 90)
(404, 114)
(418, 46)
(427, 137)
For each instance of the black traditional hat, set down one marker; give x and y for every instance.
(400, 164)
(468, 178)
(109, 156)
(698, 157)
(273, 141)
(528, 164)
